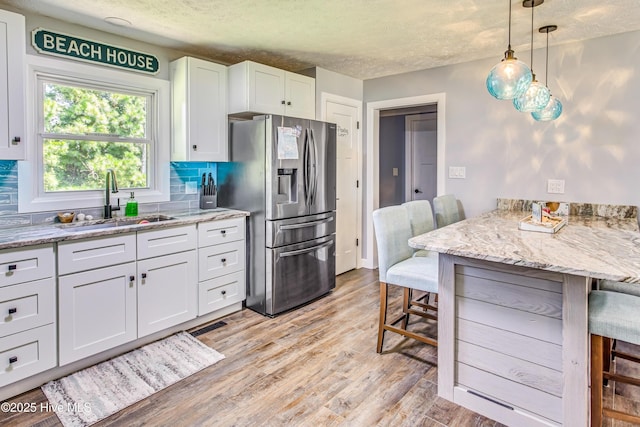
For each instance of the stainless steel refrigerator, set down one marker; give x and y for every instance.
(283, 170)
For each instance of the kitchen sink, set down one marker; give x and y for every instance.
(113, 223)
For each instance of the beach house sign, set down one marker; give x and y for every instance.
(54, 43)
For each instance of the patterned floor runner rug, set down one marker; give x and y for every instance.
(92, 394)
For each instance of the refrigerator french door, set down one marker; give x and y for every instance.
(283, 172)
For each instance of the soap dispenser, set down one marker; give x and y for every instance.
(132, 207)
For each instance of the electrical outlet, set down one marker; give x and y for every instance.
(555, 186)
(394, 171)
(459, 172)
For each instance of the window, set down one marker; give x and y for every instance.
(87, 131)
(84, 121)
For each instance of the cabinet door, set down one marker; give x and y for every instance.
(96, 311)
(12, 93)
(266, 89)
(199, 110)
(300, 95)
(167, 291)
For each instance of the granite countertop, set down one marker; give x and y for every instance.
(50, 233)
(602, 248)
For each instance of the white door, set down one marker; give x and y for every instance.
(345, 113)
(421, 148)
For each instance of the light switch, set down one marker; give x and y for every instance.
(395, 172)
(459, 172)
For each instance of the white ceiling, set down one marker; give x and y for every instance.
(360, 38)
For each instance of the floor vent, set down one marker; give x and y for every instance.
(208, 328)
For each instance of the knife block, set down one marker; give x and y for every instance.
(208, 202)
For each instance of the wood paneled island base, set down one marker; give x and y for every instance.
(513, 315)
(513, 342)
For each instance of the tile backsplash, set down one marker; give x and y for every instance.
(181, 174)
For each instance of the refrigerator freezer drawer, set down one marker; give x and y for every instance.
(301, 229)
(297, 274)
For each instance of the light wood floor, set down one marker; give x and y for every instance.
(315, 366)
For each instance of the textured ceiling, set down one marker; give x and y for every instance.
(360, 38)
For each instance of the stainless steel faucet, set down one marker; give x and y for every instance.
(114, 189)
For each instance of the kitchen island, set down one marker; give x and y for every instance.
(513, 319)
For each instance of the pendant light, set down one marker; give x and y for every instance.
(509, 78)
(537, 95)
(554, 108)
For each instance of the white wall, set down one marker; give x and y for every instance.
(594, 146)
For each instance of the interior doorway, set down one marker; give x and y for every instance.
(407, 154)
(374, 111)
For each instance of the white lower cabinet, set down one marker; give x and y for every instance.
(113, 290)
(97, 311)
(27, 312)
(167, 291)
(105, 307)
(221, 264)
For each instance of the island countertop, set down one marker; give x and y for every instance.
(601, 248)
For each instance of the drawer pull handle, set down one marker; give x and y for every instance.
(223, 260)
(13, 267)
(144, 275)
(13, 310)
(13, 359)
(223, 292)
(223, 232)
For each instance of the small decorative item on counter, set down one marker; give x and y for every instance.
(66, 217)
(80, 216)
(546, 217)
(132, 207)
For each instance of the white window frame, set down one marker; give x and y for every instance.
(31, 195)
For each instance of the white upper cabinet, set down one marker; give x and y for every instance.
(258, 88)
(12, 94)
(199, 111)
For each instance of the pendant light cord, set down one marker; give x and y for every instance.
(509, 46)
(532, 7)
(546, 69)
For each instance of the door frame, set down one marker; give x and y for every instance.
(373, 161)
(408, 151)
(330, 97)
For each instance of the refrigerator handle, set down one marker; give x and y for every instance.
(305, 173)
(314, 173)
(306, 250)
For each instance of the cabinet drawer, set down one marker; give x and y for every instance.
(215, 261)
(220, 292)
(27, 306)
(27, 353)
(223, 231)
(95, 253)
(153, 243)
(25, 265)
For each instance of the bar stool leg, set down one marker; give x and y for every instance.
(596, 380)
(383, 314)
